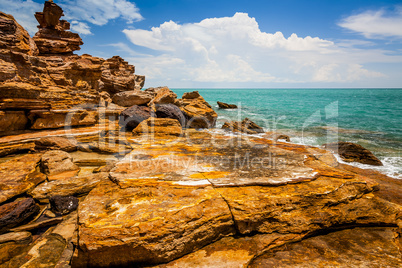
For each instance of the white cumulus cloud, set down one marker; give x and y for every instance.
(235, 50)
(375, 24)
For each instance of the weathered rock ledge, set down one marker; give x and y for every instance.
(86, 182)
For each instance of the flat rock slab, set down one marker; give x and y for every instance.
(358, 247)
(149, 222)
(75, 186)
(45, 252)
(18, 176)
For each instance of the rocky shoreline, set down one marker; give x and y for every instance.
(97, 172)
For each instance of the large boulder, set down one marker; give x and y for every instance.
(17, 212)
(164, 95)
(159, 127)
(352, 152)
(170, 111)
(130, 98)
(198, 112)
(131, 117)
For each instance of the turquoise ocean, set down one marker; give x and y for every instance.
(369, 117)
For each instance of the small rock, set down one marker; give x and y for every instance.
(223, 105)
(56, 143)
(246, 126)
(57, 161)
(170, 111)
(63, 204)
(131, 117)
(16, 213)
(351, 152)
(49, 214)
(282, 137)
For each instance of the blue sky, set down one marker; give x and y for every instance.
(220, 43)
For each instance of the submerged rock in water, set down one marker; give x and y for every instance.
(223, 105)
(352, 152)
(246, 126)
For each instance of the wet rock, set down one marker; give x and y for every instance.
(159, 127)
(237, 127)
(13, 244)
(57, 161)
(223, 105)
(130, 98)
(170, 111)
(247, 123)
(357, 247)
(56, 143)
(164, 96)
(63, 204)
(45, 252)
(282, 137)
(19, 175)
(131, 117)
(246, 126)
(76, 186)
(17, 212)
(352, 152)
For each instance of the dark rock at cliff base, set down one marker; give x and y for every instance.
(223, 105)
(131, 117)
(63, 204)
(15, 213)
(170, 111)
(351, 152)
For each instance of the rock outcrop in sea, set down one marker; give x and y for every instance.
(95, 172)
